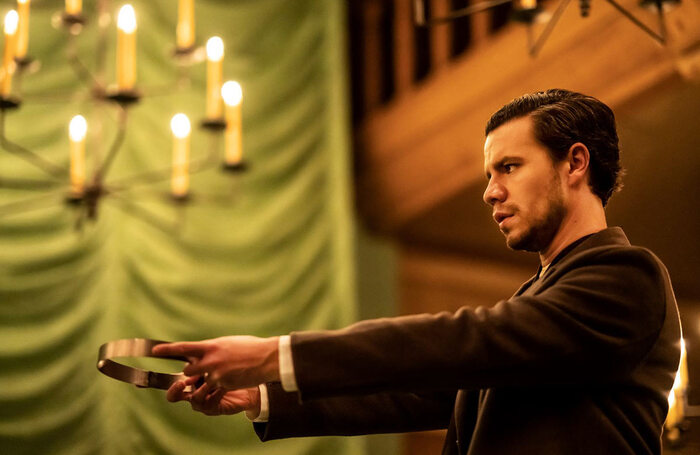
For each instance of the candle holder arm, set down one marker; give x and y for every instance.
(661, 38)
(144, 214)
(50, 168)
(34, 203)
(114, 148)
(81, 70)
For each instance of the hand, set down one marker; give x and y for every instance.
(216, 401)
(234, 362)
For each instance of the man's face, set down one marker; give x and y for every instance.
(525, 186)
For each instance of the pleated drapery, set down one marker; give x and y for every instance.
(263, 253)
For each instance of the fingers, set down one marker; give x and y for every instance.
(176, 392)
(206, 399)
(213, 399)
(191, 380)
(196, 369)
(198, 396)
(194, 349)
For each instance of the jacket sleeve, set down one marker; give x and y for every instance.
(594, 322)
(354, 415)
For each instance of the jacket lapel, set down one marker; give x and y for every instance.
(525, 286)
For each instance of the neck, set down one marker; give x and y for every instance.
(581, 220)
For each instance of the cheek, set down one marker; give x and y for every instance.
(535, 205)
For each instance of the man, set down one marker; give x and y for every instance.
(579, 361)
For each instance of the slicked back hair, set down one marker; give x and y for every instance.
(562, 118)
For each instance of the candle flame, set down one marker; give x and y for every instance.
(77, 128)
(74, 7)
(215, 48)
(180, 125)
(126, 21)
(22, 2)
(671, 399)
(232, 93)
(11, 20)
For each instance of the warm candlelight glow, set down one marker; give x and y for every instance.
(676, 398)
(8, 60)
(126, 48)
(185, 24)
(11, 22)
(215, 57)
(215, 48)
(180, 126)
(126, 21)
(76, 132)
(528, 4)
(23, 35)
(77, 128)
(684, 363)
(179, 183)
(74, 7)
(232, 94)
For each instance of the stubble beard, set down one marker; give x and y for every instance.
(541, 231)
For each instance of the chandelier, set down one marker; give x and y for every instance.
(530, 12)
(118, 93)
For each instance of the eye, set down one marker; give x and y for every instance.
(509, 167)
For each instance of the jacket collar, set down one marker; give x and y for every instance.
(609, 236)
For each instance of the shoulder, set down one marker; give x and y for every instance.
(626, 261)
(628, 281)
(610, 248)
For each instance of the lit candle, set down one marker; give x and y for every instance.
(672, 418)
(215, 60)
(683, 367)
(126, 48)
(8, 60)
(77, 131)
(232, 94)
(185, 24)
(74, 7)
(528, 4)
(23, 32)
(676, 399)
(179, 183)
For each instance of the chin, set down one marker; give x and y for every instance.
(524, 241)
(513, 241)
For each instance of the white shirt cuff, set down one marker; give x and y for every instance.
(264, 415)
(287, 378)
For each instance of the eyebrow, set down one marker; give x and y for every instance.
(502, 161)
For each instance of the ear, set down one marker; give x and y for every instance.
(578, 160)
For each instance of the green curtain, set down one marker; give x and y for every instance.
(263, 252)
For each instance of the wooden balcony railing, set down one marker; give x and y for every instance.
(390, 56)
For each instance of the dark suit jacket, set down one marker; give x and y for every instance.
(579, 361)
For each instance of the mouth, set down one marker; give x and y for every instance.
(499, 217)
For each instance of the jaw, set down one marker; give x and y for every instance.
(538, 234)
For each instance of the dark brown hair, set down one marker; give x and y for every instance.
(561, 118)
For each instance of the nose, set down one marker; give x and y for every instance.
(495, 192)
